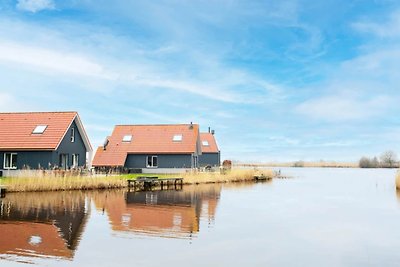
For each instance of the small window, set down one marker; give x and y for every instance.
(152, 162)
(177, 138)
(127, 138)
(205, 143)
(10, 161)
(39, 129)
(72, 135)
(75, 160)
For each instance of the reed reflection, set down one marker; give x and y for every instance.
(168, 213)
(42, 224)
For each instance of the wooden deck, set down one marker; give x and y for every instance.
(148, 182)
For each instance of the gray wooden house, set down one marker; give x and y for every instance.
(151, 148)
(42, 140)
(211, 155)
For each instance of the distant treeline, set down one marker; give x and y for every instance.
(387, 159)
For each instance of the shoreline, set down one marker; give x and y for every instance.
(84, 183)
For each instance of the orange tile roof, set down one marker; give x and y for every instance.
(147, 139)
(16, 130)
(16, 237)
(212, 144)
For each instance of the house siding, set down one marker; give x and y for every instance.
(164, 160)
(49, 159)
(212, 159)
(67, 147)
(30, 159)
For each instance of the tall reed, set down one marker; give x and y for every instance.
(234, 175)
(50, 181)
(398, 180)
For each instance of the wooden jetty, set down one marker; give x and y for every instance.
(148, 182)
(261, 177)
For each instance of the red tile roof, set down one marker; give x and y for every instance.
(16, 130)
(212, 144)
(147, 139)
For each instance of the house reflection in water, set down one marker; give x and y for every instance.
(42, 224)
(168, 213)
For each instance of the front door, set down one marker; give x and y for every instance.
(63, 161)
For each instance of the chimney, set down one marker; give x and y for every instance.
(105, 144)
(209, 129)
(191, 126)
(212, 132)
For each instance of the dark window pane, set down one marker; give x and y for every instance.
(14, 161)
(7, 163)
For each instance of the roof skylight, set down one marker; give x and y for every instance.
(205, 143)
(127, 138)
(39, 129)
(177, 138)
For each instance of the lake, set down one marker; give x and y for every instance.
(319, 217)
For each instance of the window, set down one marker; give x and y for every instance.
(177, 138)
(205, 143)
(75, 160)
(72, 135)
(10, 161)
(152, 162)
(39, 129)
(127, 138)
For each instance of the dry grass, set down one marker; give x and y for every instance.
(53, 201)
(49, 181)
(398, 180)
(235, 175)
(315, 164)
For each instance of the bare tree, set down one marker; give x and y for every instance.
(389, 159)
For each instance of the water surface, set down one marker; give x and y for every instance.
(320, 217)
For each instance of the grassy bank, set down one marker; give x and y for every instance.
(398, 180)
(306, 164)
(62, 183)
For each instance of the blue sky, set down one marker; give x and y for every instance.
(277, 80)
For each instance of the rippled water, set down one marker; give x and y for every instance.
(320, 217)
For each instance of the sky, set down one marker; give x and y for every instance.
(277, 80)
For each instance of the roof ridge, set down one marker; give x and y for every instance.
(176, 124)
(37, 112)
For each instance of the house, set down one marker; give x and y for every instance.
(171, 214)
(211, 156)
(42, 140)
(151, 148)
(47, 224)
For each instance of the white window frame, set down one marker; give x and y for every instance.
(177, 138)
(39, 129)
(11, 160)
(75, 160)
(205, 143)
(127, 138)
(152, 161)
(72, 135)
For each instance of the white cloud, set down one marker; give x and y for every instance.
(51, 60)
(35, 5)
(388, 28)
(9, 103)
(344, 107)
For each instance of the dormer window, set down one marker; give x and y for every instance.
(127, 138)
(177, 138)
(39, 129)
(205, 143)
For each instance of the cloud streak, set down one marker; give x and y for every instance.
(35, 5)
